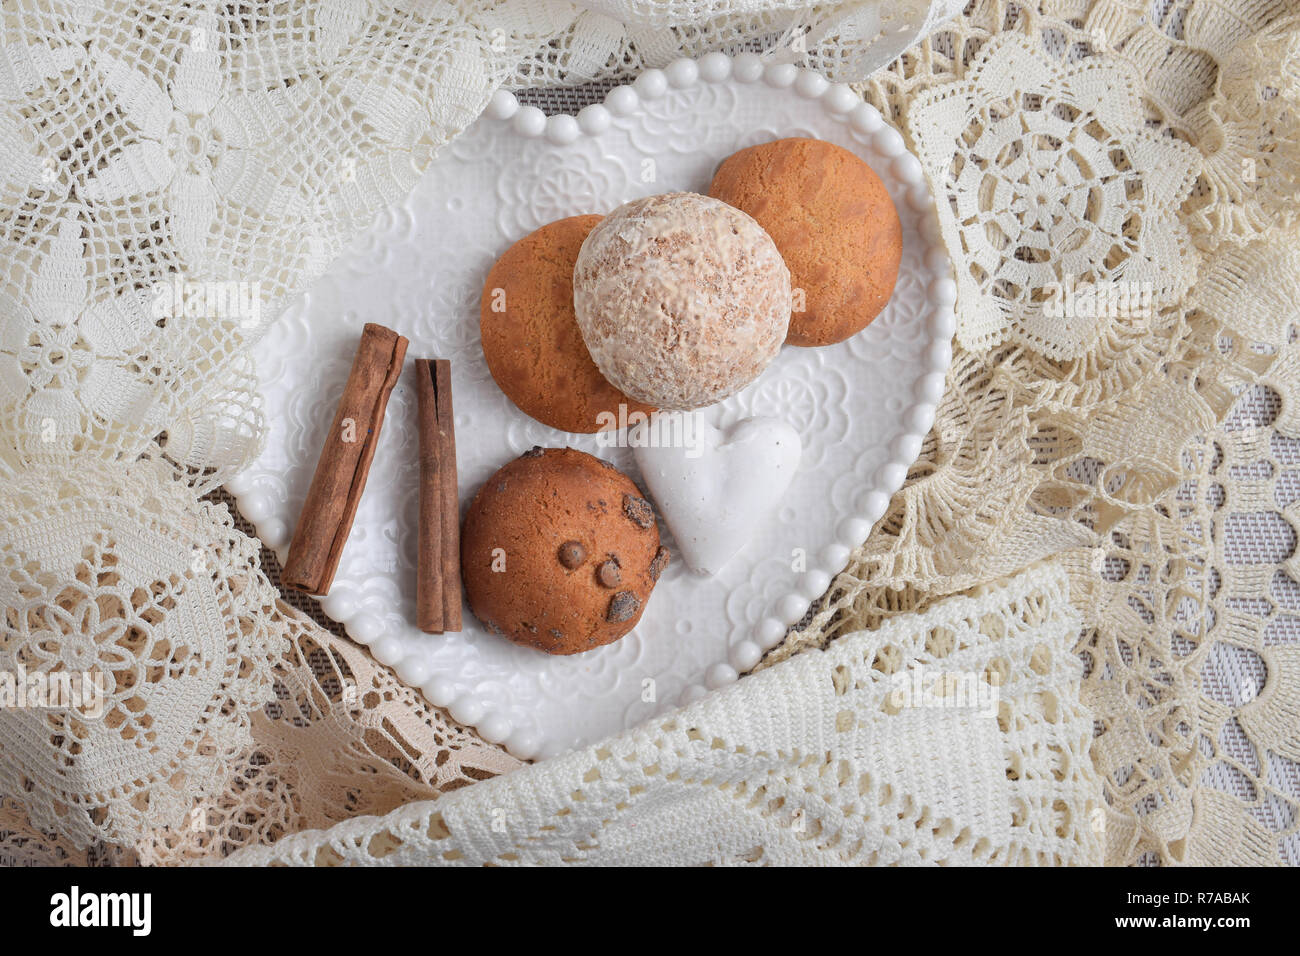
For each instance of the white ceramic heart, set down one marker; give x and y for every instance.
(715, 488)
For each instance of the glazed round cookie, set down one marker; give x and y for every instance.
(560, 552)
(681, 299)
(531, 339)
(835, 225)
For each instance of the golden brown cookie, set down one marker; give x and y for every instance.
(560, 552)
(530, 335)
(834, 223)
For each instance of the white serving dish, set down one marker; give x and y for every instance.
(862, 407)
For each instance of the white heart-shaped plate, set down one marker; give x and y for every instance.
(861, 408)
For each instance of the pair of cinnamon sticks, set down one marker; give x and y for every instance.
(344, 464)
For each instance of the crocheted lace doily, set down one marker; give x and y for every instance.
(1056, 182)
(159, 613)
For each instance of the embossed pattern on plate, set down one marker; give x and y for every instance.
(862, 407)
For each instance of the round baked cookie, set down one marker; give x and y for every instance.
(560, 552)
(835, 225)
(531, 339)
(681, 299)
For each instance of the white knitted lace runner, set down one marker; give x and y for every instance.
(950, 737)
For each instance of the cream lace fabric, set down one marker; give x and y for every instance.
(341, 737)
(1059, 184)
(1152, 451)
(1149, 447)
(952, 737)
(166, 607)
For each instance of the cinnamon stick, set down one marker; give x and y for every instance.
(438, 568)
(344, 462)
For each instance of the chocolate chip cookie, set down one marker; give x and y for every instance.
(560, 551)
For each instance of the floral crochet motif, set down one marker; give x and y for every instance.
(154, 624)
(1062, 205)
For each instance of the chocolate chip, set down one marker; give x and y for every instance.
(622, 607)
(534, 452)
(662, 557)
(608, 574)
(639, 510)
(557, 634)
(572, 554)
